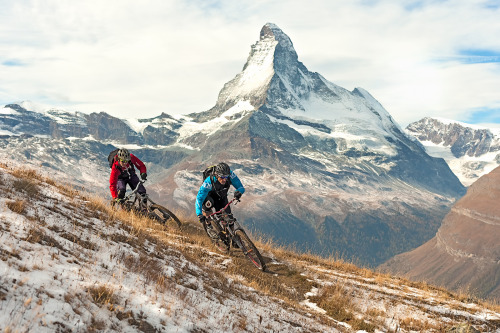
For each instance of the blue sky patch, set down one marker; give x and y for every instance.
(484, 115)
(492, 4)
(13, 63)
(478, 56)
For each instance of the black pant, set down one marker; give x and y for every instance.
(216, 202)
(132, 181)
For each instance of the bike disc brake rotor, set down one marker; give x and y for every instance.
(213, 234)
(160, 214)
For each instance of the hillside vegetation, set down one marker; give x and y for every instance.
(69, 262)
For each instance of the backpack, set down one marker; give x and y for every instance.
(111, 157)
(208, 172)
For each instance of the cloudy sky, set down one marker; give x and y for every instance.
(136, 59)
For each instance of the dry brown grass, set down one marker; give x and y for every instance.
(27, 186)
(375, 312)
(86, 244)
(26, 173)
(412, 324)
(103, 295)
(150, 268)
(335, 301)
(338, 303)
(28, 178)
(6, 254)
(37, 235)
(18, 206)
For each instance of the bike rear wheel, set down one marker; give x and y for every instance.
(249, 249)
(163, 215)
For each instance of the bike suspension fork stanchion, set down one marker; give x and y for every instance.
(235, 226)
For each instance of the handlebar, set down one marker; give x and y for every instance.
(222, 209)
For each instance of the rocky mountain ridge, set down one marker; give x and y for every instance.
(60, 124)
(470, 150)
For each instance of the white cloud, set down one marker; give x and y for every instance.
(175, 56)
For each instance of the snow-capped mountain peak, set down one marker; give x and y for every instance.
(251, 84)
(271, 30)
(275, 82)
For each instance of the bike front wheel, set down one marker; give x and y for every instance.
(249, 249)
(163, 215)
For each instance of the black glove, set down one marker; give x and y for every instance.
(202, 218)
(144, 176)
(237, 195)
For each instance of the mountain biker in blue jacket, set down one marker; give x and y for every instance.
(213, 191)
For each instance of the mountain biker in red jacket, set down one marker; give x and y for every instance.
(123, 173)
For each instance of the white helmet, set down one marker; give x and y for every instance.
(123, 155)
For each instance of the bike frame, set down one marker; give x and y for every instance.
(138, 197)
(223, 209)
(219, 218)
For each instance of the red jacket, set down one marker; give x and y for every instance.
(117, 171)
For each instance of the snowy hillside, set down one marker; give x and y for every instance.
(471, 151)
(71, 263)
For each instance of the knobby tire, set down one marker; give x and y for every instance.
(162, 214)
(249, 249)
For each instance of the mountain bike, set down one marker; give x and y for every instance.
(226, 232)
(143, 205)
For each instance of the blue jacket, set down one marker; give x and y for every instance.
(206, 187)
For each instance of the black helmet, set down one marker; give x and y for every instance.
(222, 170)
(123, 155)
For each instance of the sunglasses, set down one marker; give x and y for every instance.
(223, 177)
(123, 161)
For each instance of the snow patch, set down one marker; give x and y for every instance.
(6, 110)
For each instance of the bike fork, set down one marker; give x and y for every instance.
(234, 238)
